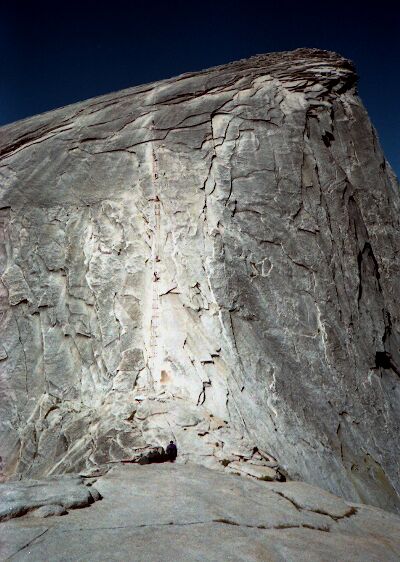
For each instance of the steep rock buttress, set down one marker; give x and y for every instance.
(211, 258)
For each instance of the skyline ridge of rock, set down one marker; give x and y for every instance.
(328, 55)
(212, 258)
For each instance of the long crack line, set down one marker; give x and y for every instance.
(28, 544)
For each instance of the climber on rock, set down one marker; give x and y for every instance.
(171, 451)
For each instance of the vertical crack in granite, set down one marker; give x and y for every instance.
(212, 258)
(155, 300)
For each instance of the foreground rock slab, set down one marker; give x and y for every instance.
(187, 513)
(43, 498)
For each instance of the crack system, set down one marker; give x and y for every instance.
(27, 545)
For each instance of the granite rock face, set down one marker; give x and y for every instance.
(211, 259)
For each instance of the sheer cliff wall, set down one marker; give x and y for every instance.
(211, 258)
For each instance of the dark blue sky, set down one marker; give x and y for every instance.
(56, 53)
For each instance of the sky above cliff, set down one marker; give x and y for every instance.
(53, 54)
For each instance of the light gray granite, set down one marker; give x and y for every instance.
(213, 259)
(43, 498)
(169, 513)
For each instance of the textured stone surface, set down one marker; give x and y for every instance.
(49, 511)
(253, 470)
(189, 513)
(214, 259)
(43, 498)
